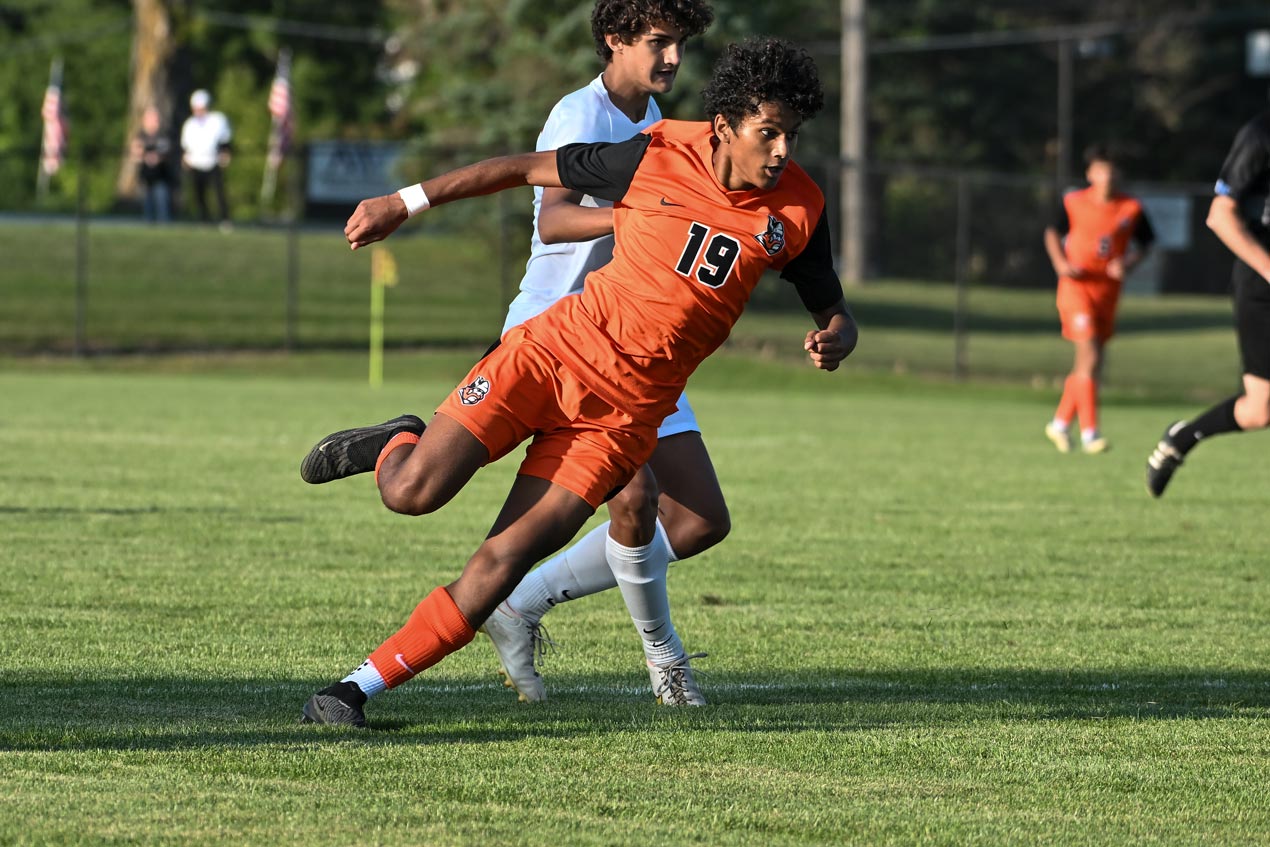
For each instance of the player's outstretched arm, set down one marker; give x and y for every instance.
(377, 218)
(1224, 221)
(562, 219)
(835, 339)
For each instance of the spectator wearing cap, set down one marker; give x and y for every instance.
(205, 141)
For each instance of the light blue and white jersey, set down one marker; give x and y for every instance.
(557, 270)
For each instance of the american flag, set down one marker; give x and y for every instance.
(53, 149)
(280, 107)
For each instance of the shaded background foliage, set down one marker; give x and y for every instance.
(1170, 87)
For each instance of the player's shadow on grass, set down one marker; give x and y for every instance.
(169, 713)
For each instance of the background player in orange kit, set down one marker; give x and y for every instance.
(1092, 246)
(702, 210)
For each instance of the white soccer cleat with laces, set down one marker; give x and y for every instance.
(673, 683)
(519, 645)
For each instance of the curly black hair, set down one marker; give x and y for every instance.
(629, 19)
(758, 71)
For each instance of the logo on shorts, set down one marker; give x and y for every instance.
(474, 392)
(1081, 320)
(773, 240)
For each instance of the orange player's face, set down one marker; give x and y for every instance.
(651, 62)
(755, 153)
(1102, 176)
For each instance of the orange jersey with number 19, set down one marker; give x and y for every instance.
(687, 255)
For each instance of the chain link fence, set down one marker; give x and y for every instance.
(85, 277)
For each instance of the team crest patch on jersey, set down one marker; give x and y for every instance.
(474, 392)
(773, 240)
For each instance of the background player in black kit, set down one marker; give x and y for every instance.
(1240, 216)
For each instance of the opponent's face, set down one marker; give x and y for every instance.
(651, 60)
(1102, 176)
(756, 151)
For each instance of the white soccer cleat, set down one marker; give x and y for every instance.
(519, 644)
(1095, 445)
(1061, 439)
(673, 683)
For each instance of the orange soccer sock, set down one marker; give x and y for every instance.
(435, 630)
(1067, 403)
(1087, 403)
(393, 443)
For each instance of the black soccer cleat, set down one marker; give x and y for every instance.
(353, 451)
(1163, 461)
(336, 705)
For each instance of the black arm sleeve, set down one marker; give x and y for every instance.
(1062, 225)
(601, 169)
(1143, 233)
(812, 273)
(1247, 166)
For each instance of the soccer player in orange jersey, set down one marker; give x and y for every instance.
(1100, 234)
(701, 211)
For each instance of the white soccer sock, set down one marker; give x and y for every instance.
(1088, 435)
(581, 570)
(1058, 426)
(367, 678)
(641, 576)
(670, 551)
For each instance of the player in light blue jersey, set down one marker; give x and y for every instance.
(673, 508)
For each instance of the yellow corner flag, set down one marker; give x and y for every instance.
(383, 274)
(383, 267)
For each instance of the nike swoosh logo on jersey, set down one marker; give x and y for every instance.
(665, 203)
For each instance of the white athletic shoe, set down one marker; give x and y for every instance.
(1060, 438)
(1096, 445)
(673, 683)
(519, 645)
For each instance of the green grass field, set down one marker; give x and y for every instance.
(927, 627)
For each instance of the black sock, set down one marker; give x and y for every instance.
(1219, 419)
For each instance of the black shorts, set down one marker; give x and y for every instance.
(1252, 319)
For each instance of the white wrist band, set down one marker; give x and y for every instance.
(414, 198)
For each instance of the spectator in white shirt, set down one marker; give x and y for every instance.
(205, 141)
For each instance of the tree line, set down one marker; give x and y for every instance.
(1169, 86)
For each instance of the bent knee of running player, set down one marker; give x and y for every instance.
(419, 479)
(693, 532)
(633, 510)
(692, 507)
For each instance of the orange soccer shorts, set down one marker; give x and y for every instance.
(1087, 308)
(580, 441)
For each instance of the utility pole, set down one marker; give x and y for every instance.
(1063, 163)
(853, 141)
